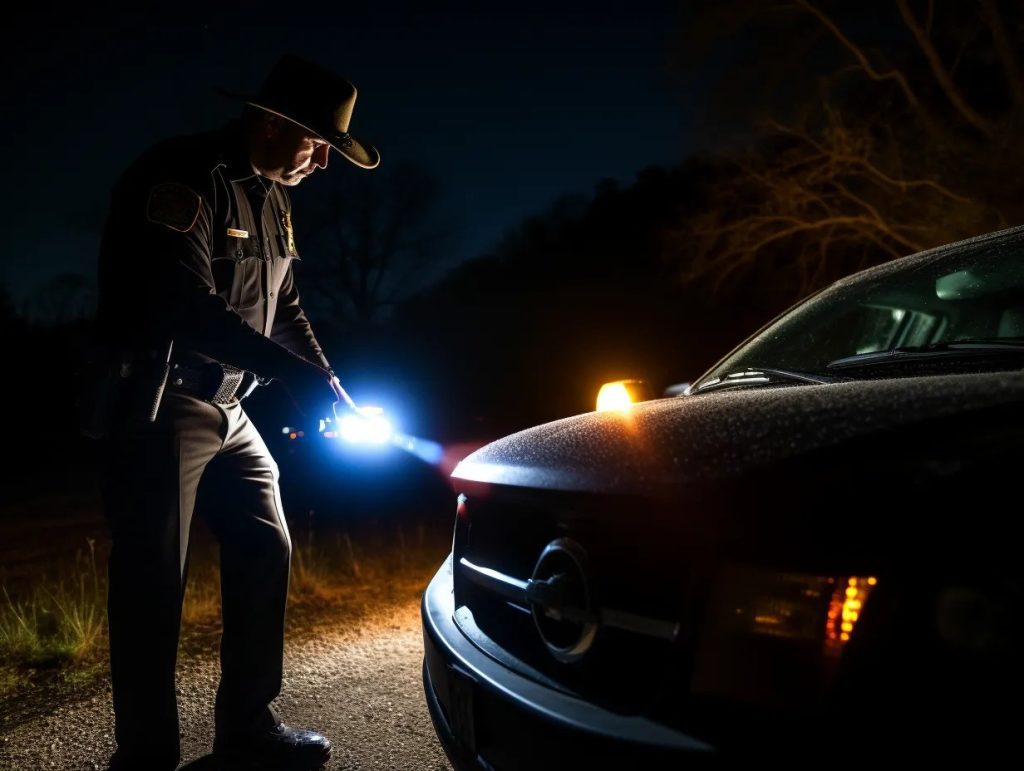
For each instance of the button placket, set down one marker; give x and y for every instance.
(267, 269)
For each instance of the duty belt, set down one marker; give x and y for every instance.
(214, 382)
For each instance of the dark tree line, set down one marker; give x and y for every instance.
(576, 296)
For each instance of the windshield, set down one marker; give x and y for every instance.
(973, 290)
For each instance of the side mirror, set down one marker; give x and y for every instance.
(677, 389)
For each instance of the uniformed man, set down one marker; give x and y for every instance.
(198, 298)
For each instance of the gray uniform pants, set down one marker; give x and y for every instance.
(151, 478)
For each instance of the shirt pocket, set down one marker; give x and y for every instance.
(284, 252)
(285, 249)
(237, 266)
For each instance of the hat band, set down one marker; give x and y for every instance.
(343, 138)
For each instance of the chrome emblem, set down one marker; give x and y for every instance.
(561, 600)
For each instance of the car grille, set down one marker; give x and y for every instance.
(604, 615)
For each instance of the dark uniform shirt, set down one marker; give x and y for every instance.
(199, 249)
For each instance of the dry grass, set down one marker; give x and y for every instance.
(201, 606)
(328, 568)
(59, 622)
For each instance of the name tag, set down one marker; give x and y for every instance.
(238, 233)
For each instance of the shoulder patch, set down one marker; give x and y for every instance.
(173, 205)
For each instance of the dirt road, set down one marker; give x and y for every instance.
(357, 680)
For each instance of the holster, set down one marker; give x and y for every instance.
(113, 386)
(147, 382)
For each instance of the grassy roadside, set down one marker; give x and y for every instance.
(58, 620)
(53, 630)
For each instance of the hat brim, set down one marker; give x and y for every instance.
(365, 156)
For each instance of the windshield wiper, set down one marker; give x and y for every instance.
(953, 349)
(752, 376)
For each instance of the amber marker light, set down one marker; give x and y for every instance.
(844, 610)
(613, 396)
(620, 395)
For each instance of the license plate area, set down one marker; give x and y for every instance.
(461, 693)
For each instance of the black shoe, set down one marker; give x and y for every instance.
(280, 747)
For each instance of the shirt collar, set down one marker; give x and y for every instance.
(238, 167)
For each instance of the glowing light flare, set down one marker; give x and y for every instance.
(367, 427)
(614, 397)
(844, 610)
(426, 450)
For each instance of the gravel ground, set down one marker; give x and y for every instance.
(357, 679)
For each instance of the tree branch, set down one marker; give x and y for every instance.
(941, 75)
(862, 58)
(865, 163)
(1005, 49)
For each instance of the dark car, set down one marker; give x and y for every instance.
(811, 555)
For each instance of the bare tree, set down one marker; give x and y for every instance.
(910, 139)
(819, 207)
(378, 238)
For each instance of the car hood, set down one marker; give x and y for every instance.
(664, 445)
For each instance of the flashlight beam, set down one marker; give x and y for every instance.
(424, 449)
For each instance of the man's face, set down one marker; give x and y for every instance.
(291, 153)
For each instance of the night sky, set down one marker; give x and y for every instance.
(510, 105)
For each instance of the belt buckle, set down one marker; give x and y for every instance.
(231, 380)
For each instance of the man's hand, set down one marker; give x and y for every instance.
(318, 393)
(342, 396)
(312, 389)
